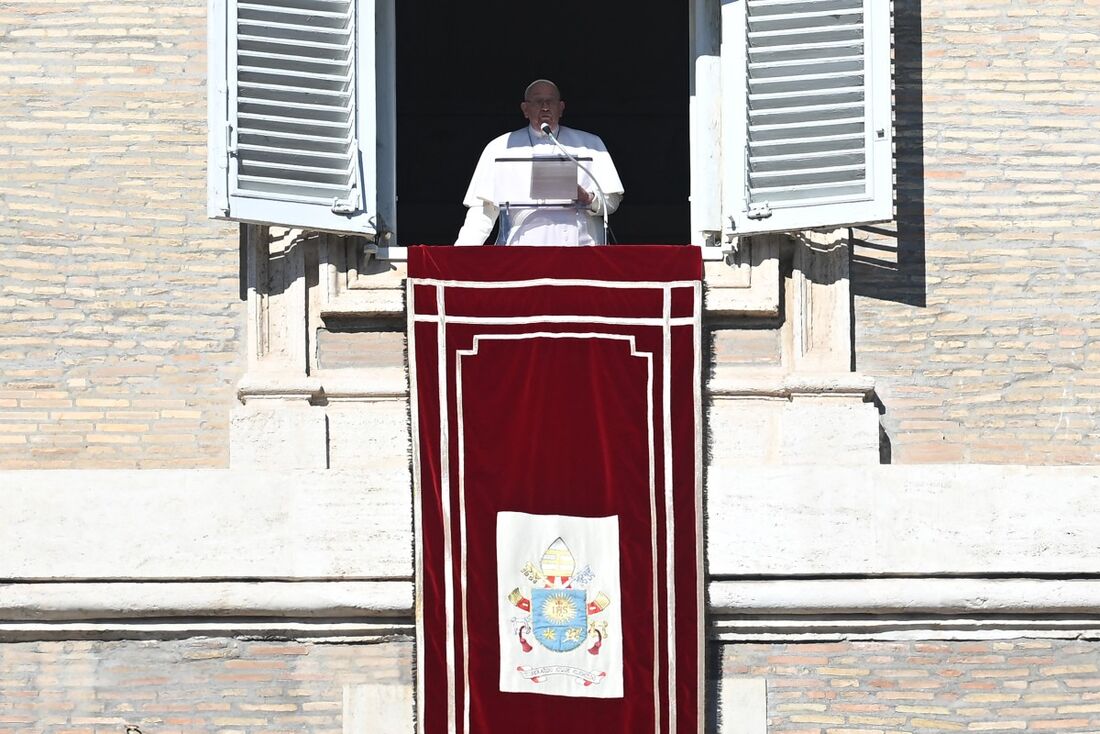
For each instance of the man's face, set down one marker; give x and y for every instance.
(543, 104)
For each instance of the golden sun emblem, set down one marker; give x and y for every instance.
(559, 608)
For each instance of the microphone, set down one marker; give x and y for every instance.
(545, 128)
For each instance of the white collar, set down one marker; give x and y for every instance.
(539, 134)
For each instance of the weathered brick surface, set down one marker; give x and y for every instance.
(188, 686)
(337, 349)
(120, 328)
(208, 685)
(120, 324)
(979, 311)
(877, 687)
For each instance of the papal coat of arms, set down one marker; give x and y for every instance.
(559, 599)
(563, 613)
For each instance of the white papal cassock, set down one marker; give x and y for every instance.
(548, 226)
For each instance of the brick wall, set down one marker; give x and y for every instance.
(202, 685)
(876, 687)
(978, 310)
(120, 324)
(121, 338)
(195, 685)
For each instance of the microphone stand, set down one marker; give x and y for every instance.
(545, 127)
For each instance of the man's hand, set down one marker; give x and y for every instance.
(584, 197)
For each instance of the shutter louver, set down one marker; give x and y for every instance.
(296, 101)
(293, 114)
(806, 99)
(811, 134)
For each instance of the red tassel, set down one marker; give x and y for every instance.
(523, 643)
(595, 649)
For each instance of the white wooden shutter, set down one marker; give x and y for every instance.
(806, 120)
(292, 123)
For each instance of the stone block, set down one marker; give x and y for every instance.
(278, 435)
(755, 347)
(359, 349)
(799, 430)
(370, 434)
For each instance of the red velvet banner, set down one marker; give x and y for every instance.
(557, 467)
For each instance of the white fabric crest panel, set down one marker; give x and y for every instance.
(558, 602)
(808, 113)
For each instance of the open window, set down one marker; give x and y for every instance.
(806, 114)
(791, 118)
(294, 116)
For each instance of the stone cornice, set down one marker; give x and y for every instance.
(737, 383)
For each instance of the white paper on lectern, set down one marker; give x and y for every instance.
(522, 181)
(553, 179)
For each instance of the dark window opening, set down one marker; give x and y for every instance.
(461, 72)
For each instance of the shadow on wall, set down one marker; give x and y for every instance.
(294, 256)
(888, 262)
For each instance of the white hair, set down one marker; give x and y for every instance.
(527, 92)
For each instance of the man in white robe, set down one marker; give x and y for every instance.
(561, 225)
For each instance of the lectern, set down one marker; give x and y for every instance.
(541, 192)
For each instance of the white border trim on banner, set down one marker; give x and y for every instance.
(648, 356)
(670, 515)
(418, 499)
(700, 528)
(700, 538)
(445, 500)
(559, 319)
(559, 282)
